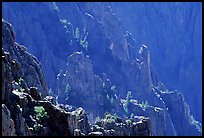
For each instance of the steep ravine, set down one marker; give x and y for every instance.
(91, 61)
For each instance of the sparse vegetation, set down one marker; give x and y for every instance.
(81, 39)
(127, 102)
(111, 118)
(97, 119)
(67, 91)
(128, 121)
(40, 113)
(21, 84)
(77, 34)
(144, 105)
(21, 89)
(196, 123)
(20, 81)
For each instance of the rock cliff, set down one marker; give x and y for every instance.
(25, 109)
(91, 61)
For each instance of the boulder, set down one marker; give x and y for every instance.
(35, 93)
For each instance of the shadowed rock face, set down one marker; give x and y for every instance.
(8, 127)
(97, 78)
(24, 64)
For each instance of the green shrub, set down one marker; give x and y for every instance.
(21, 89)
(111, 118)
(40, 113)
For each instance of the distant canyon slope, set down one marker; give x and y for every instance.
(173, 32)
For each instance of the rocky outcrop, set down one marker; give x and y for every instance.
(7, 123)
(33, 32)
(90, 87)
(180, 113)
(25, 66)
(115, 126)
(156, 115)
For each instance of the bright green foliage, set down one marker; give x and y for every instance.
(21, 89)
(111, 118)
(40, 113)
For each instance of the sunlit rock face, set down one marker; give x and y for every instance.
(173, 33)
